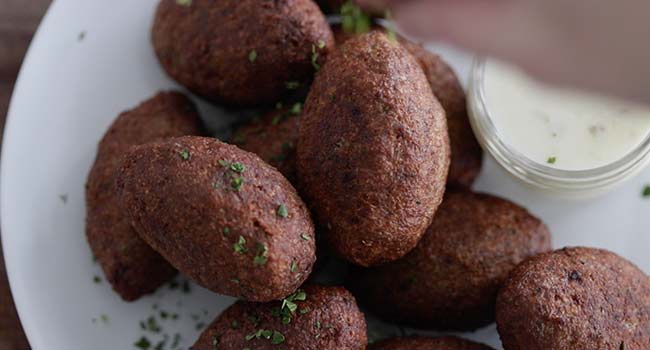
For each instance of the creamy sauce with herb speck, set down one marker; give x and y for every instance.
(561, 128)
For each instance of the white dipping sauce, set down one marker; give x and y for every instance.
(562, 128)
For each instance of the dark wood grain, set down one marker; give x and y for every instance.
(18, 21)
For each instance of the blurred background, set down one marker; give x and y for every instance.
(18, 21)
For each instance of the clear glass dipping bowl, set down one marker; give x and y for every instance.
(572, 183)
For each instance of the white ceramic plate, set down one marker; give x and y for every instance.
(92, 59)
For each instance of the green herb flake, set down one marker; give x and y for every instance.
(321, 44)
(237, 167)
(551, 160)
(282, 211)
(277, 338)
(152, 325)
(292, 85)
(104, 318)
(304, 310)
(305, 236)
(239, 247)
(646, 191)
(237, 183)
(262, 254)
(353, 19)
(184, 154)
(97, 279)
(293, 267)
(177, 339)
(143, 344)
(224, 163)
(184, 2)
(314, 58)
(226, 231)
(215, 343)
(234, 324)
(296, 108)
(252, 56)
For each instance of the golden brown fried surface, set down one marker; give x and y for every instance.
(130, 265)
(222, 216)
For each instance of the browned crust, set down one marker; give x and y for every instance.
(466, 153)
(428, 343)
(450, 280)
(575, 298)
(373, 150)
(182, 201)
(206, 46)
(332, 322)
(130, 265)
(273, 137)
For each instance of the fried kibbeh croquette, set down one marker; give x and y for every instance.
(450, 280)
(575, 299)
(131, 267)
(466, 153)
(314, 318)
(428, 343)
(241, 52)
(373, 150)
(220, 215)
(273, 137)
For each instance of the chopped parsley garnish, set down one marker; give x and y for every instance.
(237, 167)
(390, 30)
(252, 56)
(293, 267)
(296, 108)
(282, 211)
(353, 19)
(274, 336)
(143, 343)
(224, 163)
(314, 58)
(152, 325)
(185, 154)
(304, 310)
(551, 160)
(321, 44)
(226, 231)
(184, 2)
(292, 85)
(97, 279)
(646, 191)
(234, 324)
(104, 318)
(305, 236)
(262, 254)
(237, 183)
(277, 338)
(215, 343)
(239, 247)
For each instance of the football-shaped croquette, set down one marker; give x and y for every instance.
(373, 150)
(315, 318)
(130, 265)
(575, 299)
(220, 215)
(241, 52)
(450, 280)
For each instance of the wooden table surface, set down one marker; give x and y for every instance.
(18, 21)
